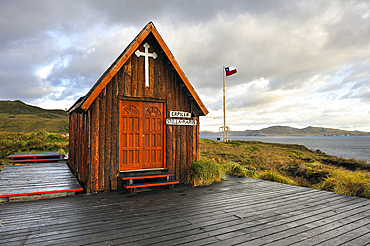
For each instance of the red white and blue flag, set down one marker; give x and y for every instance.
(230, 70)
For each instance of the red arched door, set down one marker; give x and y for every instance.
(141, 135)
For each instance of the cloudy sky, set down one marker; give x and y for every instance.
(300, 63)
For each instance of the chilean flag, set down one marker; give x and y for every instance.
(230, 70)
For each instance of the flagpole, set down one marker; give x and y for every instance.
(224, 105)
(225, 129)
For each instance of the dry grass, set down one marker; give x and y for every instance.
(347, 183)
(204, 172)
(289, 164)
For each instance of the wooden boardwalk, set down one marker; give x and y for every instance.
(37, 180)
(239, 211)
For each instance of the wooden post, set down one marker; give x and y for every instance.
(95, 147)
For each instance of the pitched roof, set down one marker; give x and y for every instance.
(85, 102)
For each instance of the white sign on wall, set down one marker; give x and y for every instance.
(180, 114)
(176, 122)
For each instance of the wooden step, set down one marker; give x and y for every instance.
(41, 157)
(35, 160)
(138, 176)
(143, 172)
(132, 187)
(151, 184)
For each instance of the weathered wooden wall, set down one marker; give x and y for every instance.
(97, 163)
(78, 146)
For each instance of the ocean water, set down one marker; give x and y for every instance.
(357, 147)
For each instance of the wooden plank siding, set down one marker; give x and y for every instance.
(115, 136)
(78, 146)
(72, 133)
(94, 151)
(97, 164)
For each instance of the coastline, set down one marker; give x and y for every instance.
(349, 147)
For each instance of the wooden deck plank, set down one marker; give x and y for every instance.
(234, 209)
(317, 229)
(341, 229)
(242, 195)
(248, 228)
(77, 212)
(361, 240)
(37, 179)
(159, 221)
(47, 209)
(195, 213)
(350, 235)
(323, 224)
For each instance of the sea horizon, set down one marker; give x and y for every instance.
(349, 147)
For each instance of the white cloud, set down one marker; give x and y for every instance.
(299, 63)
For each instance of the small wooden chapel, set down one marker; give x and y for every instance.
(142, 115)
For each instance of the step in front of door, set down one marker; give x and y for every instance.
(143, 172)
(151, 184)
(146, 178)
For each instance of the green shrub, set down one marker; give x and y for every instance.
(54, 137)
(276, 177)
(62, 152)
(251, 148)
(208, 141)
(238, 170)
(294, 153)
(42, 134)
(234, 143)
(203, 173)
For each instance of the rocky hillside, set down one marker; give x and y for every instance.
(291, 131)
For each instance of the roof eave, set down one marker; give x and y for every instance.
(125, 55)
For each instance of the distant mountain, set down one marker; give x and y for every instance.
(16, 116)
(291, 131)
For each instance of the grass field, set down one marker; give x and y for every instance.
(284, 163)
(29, 123)
(33, 142)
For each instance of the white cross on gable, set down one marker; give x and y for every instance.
(146, 54)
